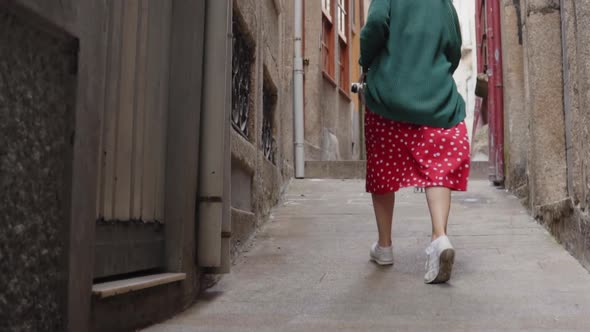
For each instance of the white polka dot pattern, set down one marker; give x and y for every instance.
(403, 155)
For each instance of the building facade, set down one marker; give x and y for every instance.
(330, 113)
(357, 16)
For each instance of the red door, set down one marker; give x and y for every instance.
(489, 48)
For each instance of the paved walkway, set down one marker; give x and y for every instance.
(309, 270)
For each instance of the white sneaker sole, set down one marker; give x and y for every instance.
(447, 259)
(381, 262)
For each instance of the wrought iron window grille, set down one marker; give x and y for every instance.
(242, 60)
(269, 100)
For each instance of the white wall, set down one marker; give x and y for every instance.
(466, 74)
(367, 4)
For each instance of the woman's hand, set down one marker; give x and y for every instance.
(362, 92)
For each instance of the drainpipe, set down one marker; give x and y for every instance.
(214, 206)
(566, 101)
(298, 93)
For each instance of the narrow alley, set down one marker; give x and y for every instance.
(200, 165)
(308, 270)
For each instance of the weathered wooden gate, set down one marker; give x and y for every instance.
(489, 54)
(130, 203)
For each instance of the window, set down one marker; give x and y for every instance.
(342, 19)
(328, 54)
(269, 102)
(344, 66)
(343, 33)
(362, 12)
(337, 9)
(327, 8)
(353, 14)
(242, 62)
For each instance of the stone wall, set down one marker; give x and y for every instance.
(533, 104)
(258, 178)
(546, 108)
(574, 229)
(515, 116)
(546, 166)
(37, 97)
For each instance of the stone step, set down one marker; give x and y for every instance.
(118, 287)
(480, 170)
(341, 169)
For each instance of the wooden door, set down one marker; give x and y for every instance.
(130, 205)
(489, 46)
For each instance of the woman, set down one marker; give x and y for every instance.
(415, 130)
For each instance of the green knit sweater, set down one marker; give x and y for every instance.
(410, 50)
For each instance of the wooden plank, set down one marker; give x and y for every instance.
(125, 247)
(153, 137)
(124, 143)
(164, 107)
(137, 167)
(152, 72)
(100, 168)
(111, 107)
(119, 287)
(91, 21)
(184, 110)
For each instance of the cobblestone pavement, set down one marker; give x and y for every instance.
(309, 270)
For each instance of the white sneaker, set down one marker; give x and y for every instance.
(439, 263)
(380, 255)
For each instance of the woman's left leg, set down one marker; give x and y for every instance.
(383, 207)
(439, 204)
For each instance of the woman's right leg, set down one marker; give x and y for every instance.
(441, 254)
(383, 206)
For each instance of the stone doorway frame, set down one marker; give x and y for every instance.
(83, 21)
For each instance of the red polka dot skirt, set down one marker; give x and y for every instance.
(403, 155)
